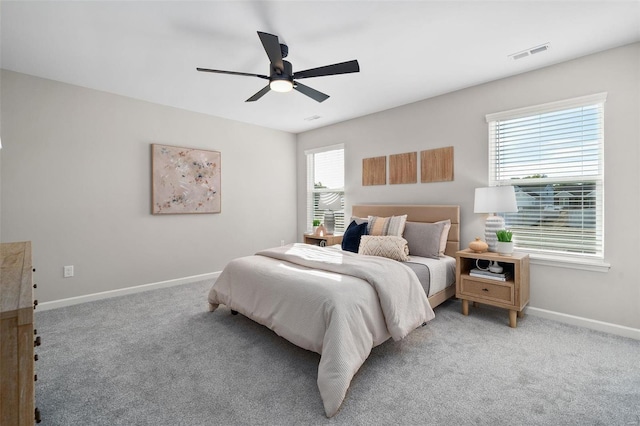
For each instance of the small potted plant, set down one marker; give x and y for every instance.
(316, 223)
(504, 246)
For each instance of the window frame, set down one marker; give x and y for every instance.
(593, 262)
(311, 190)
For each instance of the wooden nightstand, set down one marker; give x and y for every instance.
(326, 240)
(511, 294)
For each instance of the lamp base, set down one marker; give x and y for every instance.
(329, 222)
(493, 224)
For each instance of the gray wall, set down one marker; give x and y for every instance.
(76, 180)
(458, 119)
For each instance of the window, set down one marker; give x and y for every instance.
(325, 185)
(553, 155)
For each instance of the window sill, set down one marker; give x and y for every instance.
(594, 265)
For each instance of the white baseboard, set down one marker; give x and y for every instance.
(619, 330)
(44, 306)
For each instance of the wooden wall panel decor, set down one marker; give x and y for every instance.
(436, 165)
(374, 171)
(403, 168)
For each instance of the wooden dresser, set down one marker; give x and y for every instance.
(18, 337)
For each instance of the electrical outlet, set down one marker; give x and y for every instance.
(68, 271)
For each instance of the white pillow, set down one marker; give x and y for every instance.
(358, 220)
(389, 246)
(445, 236)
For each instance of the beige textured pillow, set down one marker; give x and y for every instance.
(395, 248)
(393, 225)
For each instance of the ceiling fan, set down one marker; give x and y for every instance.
(281, 75)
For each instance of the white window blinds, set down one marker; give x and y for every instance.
(325, 185)
(553, 155)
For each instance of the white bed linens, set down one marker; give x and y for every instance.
(338, 304)
(442, 272)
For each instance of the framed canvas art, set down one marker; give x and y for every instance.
(184, 180)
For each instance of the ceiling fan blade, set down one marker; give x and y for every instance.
(260, 94)
(341, 68)
(312, 93)
(232, 73)
(272, 47)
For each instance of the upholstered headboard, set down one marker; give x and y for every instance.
(418, 213)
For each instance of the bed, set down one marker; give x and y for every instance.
(338, 303)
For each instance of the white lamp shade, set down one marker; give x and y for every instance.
(330, 201)
(495, 199)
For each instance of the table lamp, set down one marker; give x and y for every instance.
(330, 202)
(492, 200)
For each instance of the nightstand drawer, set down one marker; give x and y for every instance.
(499, 291)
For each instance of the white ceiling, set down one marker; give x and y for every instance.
(407, 50)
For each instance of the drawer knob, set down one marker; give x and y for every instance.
(37, 342)
(34, 269)
(485, 289)
(35, 285)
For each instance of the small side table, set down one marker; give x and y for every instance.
(511, 294)
(325, 240)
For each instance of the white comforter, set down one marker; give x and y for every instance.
(338, 304)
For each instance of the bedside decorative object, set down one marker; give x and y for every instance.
(494, 199)
(321, 231)
(504, 246)
(492, 266)
(478, 245)
(316, 223)
(495, 268)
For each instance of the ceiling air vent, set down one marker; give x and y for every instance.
(530, 51)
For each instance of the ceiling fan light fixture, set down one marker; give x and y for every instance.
(281, 86)
(281, 76)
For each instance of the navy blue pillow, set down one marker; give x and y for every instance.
(351, 237)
